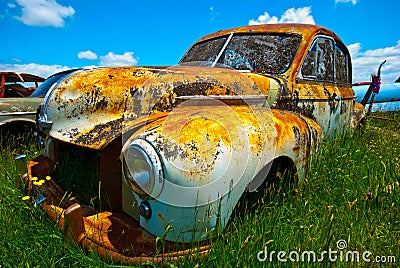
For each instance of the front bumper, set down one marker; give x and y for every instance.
(111, 234)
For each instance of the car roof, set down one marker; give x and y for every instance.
(306, 30)
(10, 77)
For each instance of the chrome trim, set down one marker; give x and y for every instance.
(16, 113)
(43, 123)
(145, 209)
(151, 154)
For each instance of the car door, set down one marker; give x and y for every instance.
(323, 84)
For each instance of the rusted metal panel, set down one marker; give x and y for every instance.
(103, 100)
(195, 134)
(331, 106)
(358, 115)
(297, 137)
(15, 82)
(13, 77)
(215, 161)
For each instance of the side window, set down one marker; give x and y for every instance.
(326, 62)
(319, 62)
(341, 70)
(309, 66)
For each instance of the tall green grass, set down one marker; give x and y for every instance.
(27, 237)
(351, 192)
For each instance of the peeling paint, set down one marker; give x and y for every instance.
(104, 99)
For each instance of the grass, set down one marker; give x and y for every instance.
(351, 192)
(27, 237)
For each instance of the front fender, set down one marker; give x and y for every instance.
(210, 154)
(206, 150)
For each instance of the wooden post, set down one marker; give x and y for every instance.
(74, 227)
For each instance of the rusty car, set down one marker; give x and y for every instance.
(21, 94)
(15, 104)
(171, 150)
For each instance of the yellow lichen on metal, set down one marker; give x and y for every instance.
(263, 83)
(197, 136)
(284, 123)
(322, 91)
(192, 125)
(296, 137)
(104, 100)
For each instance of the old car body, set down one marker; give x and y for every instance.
(175, 148)
(15, 104)
(19, 103)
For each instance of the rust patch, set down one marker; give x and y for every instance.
(289, 126)
(160, 216)
(191, 126)
(261, 82)
(102, 99)
(100, 133)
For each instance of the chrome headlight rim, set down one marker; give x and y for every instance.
(152, 159)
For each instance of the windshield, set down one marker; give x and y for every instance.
(263, 53)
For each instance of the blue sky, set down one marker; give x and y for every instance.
(46, 36)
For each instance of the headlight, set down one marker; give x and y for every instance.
(142, 168)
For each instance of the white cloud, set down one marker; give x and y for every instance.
(354, 49)
(264, 19)
(366, 63)
(44, 13)
(112, 59)
(292, 15)
(16, 59)
(346, 1)
(90, 55)
(33, 68)
(43, 70)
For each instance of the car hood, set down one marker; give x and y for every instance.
(92, 107)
